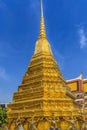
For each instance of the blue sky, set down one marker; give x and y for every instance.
(66, 27)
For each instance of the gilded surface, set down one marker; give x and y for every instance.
(43, 100)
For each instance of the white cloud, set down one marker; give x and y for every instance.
(83, 38)
(3, 74)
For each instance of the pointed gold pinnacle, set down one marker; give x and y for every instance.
(42, 25)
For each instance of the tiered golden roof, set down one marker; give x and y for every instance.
(43, 91)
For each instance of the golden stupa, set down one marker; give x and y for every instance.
(43, 100)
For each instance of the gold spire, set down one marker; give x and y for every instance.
(42, 25)
(41, 8)
(42, 44)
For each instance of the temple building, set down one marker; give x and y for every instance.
(43, 101)
(78, 87)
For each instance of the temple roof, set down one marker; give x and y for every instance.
(80, 77)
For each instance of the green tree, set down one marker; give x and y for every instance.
(3, 116)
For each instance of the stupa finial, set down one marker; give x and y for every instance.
(41, 8)
(42, 25)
